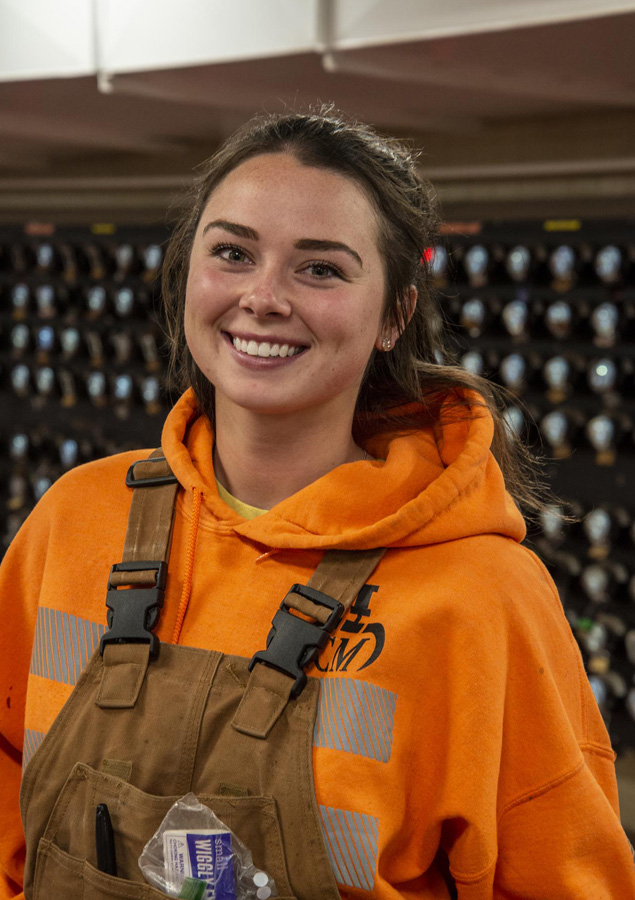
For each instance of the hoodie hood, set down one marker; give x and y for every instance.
(424, 487)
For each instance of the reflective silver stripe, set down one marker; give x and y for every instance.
(376, 748)
(355, 716)
(32, 740)
(332, 735)
(351, 841)
(63, 645)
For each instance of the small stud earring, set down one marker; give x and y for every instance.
(386, 344)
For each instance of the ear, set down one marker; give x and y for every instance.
(388, 336)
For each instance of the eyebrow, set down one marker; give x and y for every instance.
(314, 244)
(242, 231)
(303, 244)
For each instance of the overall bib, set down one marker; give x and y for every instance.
(146, 724)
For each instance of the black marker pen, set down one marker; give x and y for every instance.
(105, 841)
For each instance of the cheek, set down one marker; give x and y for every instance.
(197, 309)
(201, 299)
(191, 332)
(194, 288)
(189, 313)
(208, 291)
(354, 344)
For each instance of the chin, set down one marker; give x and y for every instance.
(267, 408)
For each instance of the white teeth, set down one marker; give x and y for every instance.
(265, 349)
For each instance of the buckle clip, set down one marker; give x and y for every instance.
(154, 480)
(134, 612)
(293, 643)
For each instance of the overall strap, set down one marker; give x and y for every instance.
(136, 586)
(277, 673)
(135, 596)
(149, 532)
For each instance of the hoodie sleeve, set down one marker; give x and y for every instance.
(543, 791)
(564, 841)
(561, 838)
(20, 577)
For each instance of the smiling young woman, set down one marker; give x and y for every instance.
(419, 723)
(284, 307)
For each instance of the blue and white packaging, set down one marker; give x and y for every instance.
(205, 853)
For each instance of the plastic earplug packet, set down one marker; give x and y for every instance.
(191, 848)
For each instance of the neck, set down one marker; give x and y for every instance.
(262, 459)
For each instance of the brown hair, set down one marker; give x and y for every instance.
(420, 367)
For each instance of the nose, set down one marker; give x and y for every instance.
(266, 296)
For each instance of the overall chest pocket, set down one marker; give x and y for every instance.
(66, 859)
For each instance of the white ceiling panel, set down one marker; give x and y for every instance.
(44, 39)
(360, 23)
(135, 35)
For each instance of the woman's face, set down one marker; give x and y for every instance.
(285, 292)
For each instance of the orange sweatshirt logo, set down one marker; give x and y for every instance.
(344, 653)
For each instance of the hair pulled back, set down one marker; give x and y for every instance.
(420, 367)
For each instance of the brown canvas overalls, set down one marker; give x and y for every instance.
(142, 728)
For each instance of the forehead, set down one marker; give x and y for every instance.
(278, 188)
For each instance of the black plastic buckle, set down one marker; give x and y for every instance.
(293, 643)
(134, 612)
(133, 482)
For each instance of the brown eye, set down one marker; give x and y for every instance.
(323, 270)
(230, 253)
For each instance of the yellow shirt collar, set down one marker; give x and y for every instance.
(243, 509)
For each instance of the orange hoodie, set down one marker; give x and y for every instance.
(454, 708)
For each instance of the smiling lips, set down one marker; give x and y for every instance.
(265, 348)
